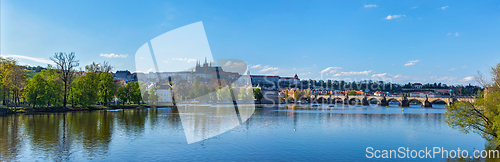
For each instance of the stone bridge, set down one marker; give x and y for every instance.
(404, 101)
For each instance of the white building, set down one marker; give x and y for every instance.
(417, 85)
(164, 93)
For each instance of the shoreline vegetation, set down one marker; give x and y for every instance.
(30, 110)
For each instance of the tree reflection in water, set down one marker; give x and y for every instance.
(98, 135)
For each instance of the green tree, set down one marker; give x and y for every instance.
(85, 89)
(15, 79)
(122, 94)
(243, 93)
(135, 92)
(153, 95)
(36, 91)
(106, 88)
(483, 115)
(223, 94)
(53, 86)
(257, 94)
(146, 97)
(296, 95)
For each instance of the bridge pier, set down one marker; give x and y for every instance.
(365, 102)
(384, 102)
(426, 103)
(405, 102)
(346, 101)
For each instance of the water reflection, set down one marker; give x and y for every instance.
(272, 133)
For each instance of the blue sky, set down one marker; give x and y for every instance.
(399, 41)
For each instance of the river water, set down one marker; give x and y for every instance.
(279, 133)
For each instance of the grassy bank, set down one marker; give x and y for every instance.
(28, 109)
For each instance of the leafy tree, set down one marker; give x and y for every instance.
(143, 90)
(223, 94)
(483, 115)
(36, 91)
(146, 97)
(106, 88)
(153, 95)
(66, 64)
(15, 79)
(257, 94)
(286, 95)
(135, 92)
(243, 93)
(249, 94)
(85, 89)
(122, 94)
(53, 86)
(296, 95)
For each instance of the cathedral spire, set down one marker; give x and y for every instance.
(205, 59)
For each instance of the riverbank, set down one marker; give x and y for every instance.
(30, 110)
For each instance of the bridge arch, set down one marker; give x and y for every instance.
(414, 100)
(438, 101)
(354, 100)
(322, 99)
(391, 102)
(373, 99)
(338, 100)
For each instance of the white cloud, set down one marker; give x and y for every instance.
(411, 62)
(399, 76)
(40, 60)
(351, 73)
(234, 64)
(414, 7)
(256, 66)
(444, 7)
(268, 69)
(466, 79)
(112, 55)
(456, 34)
(452, 69)
(446, 78)
(382, 75)
(390, 17)
(188, 60)
(370, 6)
(331, 69)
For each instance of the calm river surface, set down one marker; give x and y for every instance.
(284, 133)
